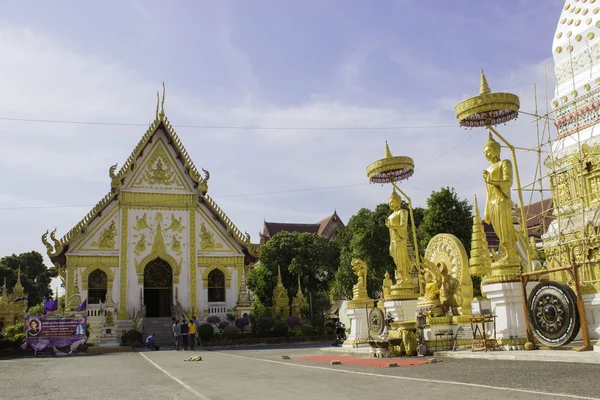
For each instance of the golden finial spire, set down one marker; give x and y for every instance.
(157, 103)
(162, 104)
(484, 88)
(388, 153)
(299, 287)
(279, 274)
(476, 208)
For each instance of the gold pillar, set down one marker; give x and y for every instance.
(193, 260)
(123, 313)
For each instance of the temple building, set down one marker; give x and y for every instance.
(327, 227)
(157, 242)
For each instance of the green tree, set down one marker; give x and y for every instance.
(35, 275)
(313, 257)
(445, 213)
(366, 237)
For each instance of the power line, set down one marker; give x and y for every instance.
(347, 128)
(272, 192)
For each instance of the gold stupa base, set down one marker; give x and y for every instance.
(361, 303)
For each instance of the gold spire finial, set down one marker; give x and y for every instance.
(476, 208)
(279, 274)
(157, 103)
(162, 104)
(484, 88)
(388, 153)
(299, 287)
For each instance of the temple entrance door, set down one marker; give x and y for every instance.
(158, 288)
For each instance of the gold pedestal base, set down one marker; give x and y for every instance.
(402, 291)
(503, 271)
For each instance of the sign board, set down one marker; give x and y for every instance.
(55, 331)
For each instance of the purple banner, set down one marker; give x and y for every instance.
(55, 331)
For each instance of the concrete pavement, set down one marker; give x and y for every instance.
(260, 373)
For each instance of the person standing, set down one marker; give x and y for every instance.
(192, 334)
(177, 334)
(173, 337)
(197, 323)
(184, 334)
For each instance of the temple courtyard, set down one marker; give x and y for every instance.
(261, 373)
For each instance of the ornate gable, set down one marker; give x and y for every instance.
(158, 170)
(160, 165)
(102, 235)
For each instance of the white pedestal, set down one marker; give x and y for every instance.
(359, 326)
(507, 306)
(109, 337)
(592, 312)
(402, 310)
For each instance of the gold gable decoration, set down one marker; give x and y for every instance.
(117, 178)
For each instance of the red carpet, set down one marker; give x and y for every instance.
(367, 362)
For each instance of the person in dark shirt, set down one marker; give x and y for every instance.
(184, 334)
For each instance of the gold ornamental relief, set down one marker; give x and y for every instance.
(176, 245)
(159, 171)
(141, 223)
(140, 246)
(176, 225)
(207, 239)
(107, 239)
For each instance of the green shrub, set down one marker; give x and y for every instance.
(11, 332)
(37, 310)
(266, 323)
(280, 329)
(131, 337)
(307, 329)
(230, 332)
(206, 332)
(230, 317)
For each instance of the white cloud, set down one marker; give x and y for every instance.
(62, 164)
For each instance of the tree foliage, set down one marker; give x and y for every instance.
(365, 237)
(35, 275)
(313, 257)
(445, 213)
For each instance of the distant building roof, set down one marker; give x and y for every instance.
(327, 227)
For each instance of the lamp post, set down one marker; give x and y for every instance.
(487, 110)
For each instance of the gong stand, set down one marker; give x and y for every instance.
(572, 270)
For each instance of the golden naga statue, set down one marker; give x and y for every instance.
(359, 291)
(397, 223)
(498, 178)
(441, 288)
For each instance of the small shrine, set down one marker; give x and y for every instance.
(281, 300)
(299, 302)
(13, 306)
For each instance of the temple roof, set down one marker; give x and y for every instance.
(272, 228)
(57, 251)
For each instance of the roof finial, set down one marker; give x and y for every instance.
(157, 104)
(388, 153)
(162, 104)
(484, 88)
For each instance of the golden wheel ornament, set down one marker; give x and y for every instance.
(446, 248)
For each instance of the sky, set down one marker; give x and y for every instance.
(284, 102)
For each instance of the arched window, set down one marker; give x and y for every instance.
(216, 286)
(97, 286)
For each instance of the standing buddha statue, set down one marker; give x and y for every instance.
(498, 178)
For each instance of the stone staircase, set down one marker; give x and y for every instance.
(161, 328)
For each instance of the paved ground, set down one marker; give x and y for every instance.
(260, 373)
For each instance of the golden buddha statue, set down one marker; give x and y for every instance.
(397, 223)
(498, 178)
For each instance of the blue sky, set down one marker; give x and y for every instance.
(273, 64)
